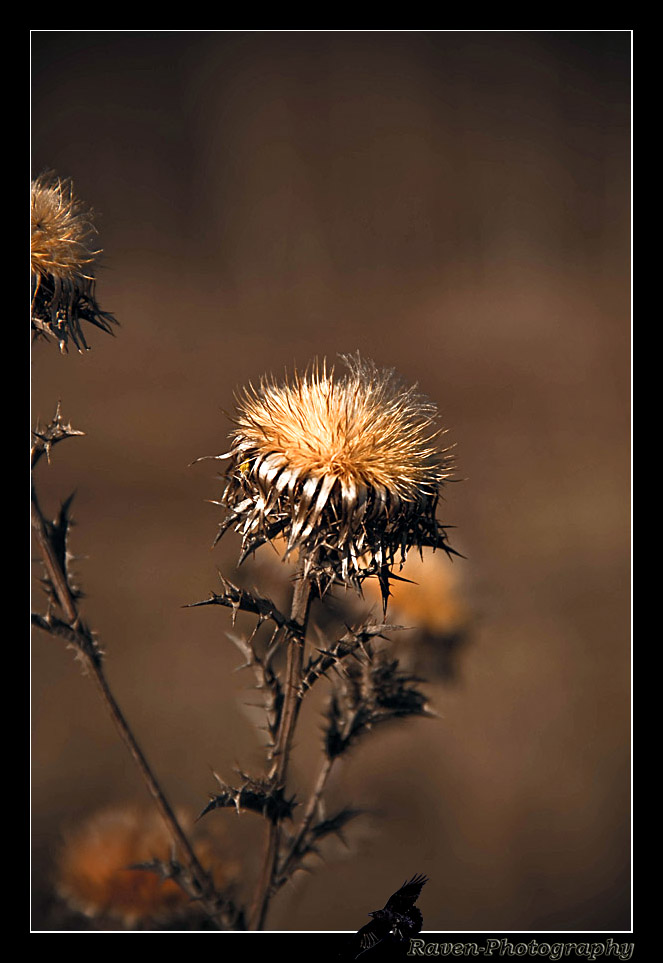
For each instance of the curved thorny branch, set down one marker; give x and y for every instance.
(52, 539)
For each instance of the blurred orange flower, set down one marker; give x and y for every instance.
(430, 600)
(431, 604)
(94, 874)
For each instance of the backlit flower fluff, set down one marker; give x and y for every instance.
(343, 468)
(61, 255)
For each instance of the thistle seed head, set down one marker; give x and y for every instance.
(345, 469)
(61, 256)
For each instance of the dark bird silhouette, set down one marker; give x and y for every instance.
(391, 928)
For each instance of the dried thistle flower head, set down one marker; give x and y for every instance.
(344, 468)
(62, 228)
(95, 875)
(61, 258)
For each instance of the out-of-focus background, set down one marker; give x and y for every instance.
(452, 204)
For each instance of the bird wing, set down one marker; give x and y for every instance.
(372, 933)
(405, 898)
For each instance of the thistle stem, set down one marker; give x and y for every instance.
(281, 753)
(292, 700)
(94, 666)
(311, 807)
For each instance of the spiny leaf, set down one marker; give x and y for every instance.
(335, 823)
(369, 690)
(256, 795)
(239, 599)
(353, 640)
(56, 430)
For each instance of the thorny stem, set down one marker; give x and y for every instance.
(58, 580)
(55, 573)
(281, 752)
(292, 699)
(311, 808)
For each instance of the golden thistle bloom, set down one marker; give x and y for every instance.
(61, 255)
(345, 469)
(95, 875)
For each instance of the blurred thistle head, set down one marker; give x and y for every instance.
(61, 259)
(427, 597)
(345, 469)
(98, 870)
(429, 602)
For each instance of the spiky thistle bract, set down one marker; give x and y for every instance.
(346, 469)
(62, 254)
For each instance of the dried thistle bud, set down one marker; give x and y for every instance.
(97, 874)
(345, 469)
(61, 258)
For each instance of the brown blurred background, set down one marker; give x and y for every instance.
(452, 204)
